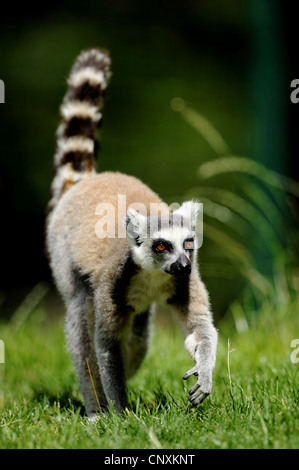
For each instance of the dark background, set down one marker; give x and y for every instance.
(233, 61)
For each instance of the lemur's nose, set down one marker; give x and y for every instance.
(181, 267)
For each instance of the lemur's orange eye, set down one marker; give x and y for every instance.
(161, 247)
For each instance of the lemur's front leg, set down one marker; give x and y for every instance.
(200, 335)
(201, 345)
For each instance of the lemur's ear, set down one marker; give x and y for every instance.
(190, 210)
(136, 224)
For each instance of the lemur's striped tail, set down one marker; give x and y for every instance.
(76, 135)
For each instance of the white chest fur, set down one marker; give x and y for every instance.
(149, 286)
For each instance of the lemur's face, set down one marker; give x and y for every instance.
(166, 242)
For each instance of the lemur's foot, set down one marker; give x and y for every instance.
(203, 386)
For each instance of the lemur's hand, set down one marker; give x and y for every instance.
(203, 386)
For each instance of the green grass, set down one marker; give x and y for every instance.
(254, 402)
(255, 398)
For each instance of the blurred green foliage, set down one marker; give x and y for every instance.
(208, 53)
(252, 222)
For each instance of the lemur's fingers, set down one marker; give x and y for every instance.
(193, 371)
(198, 397)
(201, 389)
(194, 388)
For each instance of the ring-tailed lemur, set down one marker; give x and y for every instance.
(110, 285)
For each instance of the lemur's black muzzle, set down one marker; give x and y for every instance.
(181, 267)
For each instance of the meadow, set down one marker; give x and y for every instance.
(253, 229)
(253, 405)
(230, 61)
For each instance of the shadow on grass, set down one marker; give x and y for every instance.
(162, 401)
(65, 400)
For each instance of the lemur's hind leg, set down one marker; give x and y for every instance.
(137, 342)
(80, 340)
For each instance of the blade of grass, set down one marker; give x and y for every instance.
(238, 254)
(229, 351)
(202, 125)
(92, 383)
(247, 211)
(28, 305)
(219, 212)
(262, 200)
(241, 164)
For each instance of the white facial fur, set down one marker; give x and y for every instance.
(141, 235)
